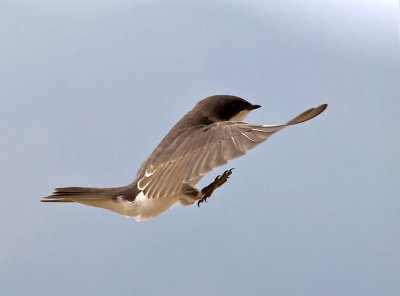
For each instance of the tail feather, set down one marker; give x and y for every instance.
(76, 194)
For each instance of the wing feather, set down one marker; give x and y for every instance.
(201, 152)
(198, 151)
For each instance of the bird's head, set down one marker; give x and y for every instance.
(224, 108)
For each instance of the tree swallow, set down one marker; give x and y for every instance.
(208, 136)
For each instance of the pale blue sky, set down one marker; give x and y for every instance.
(88, 88)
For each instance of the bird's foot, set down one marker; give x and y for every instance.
(207, 191)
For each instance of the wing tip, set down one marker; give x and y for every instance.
(308, 114)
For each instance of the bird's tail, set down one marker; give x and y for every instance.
(81, 194)
(106, 198)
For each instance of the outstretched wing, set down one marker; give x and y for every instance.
(205, 149)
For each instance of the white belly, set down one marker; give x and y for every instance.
(142, 208)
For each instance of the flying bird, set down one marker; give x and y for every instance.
(208, 136)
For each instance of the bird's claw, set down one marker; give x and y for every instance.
(207, 191)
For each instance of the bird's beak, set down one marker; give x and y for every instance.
(252, 107)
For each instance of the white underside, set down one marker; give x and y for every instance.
(141, 209)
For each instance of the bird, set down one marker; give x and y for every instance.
(208, 136)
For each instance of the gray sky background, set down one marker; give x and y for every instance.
(88, 88)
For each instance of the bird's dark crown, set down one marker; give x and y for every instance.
(223, 107)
